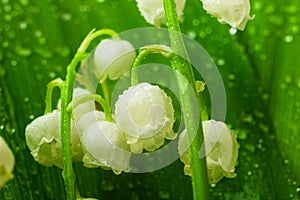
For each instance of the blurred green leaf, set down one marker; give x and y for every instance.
(260, 68)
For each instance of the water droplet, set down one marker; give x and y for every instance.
(7, 8)
(44, 62)
(23, 25)
(242, 134)
(232, 31)
(26, 99)
(196, 22)
(192, 34)
(52, 75)
(232, 77)
(24, 2)
(288, 79)
(85, 8)
(107, 185)
(31, 117)
(298, 189)
(14, 63)
(263, 57)
(5, 44)
(249, 173)
(23, 52)
(288, 38)
(286, 162)
(164, 195)
(208, 30)
(66, 16)
(221, 62)
(38, 33)
(101, 1)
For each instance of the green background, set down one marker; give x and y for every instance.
(260, 68)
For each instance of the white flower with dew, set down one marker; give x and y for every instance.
(113, 58)
(236, 13)
(105, 145)
(154, 13)
(221, 151)
(7, 162)
(43, 138)
(146, 115)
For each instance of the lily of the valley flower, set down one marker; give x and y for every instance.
(154, 13)
(105, 145)
(146, 115)
(233, 12)
(43, 138)
(113, 58)
(221, 151)
(7, 162)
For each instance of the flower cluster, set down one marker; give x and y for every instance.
(221, 151)
(142, 120)
(236, 13)
(7, 162)
(141, 123)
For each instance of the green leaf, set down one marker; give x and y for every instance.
(261, 72)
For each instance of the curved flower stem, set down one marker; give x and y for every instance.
(198, 166)
(105, 90)
(144, 52)
(92, 97)
(66, 97)
(48, 100)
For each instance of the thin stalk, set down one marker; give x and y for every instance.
(66, 97)
(105, 90)
(92, 97)
(198, 166)
(48, 100)
(144, 52)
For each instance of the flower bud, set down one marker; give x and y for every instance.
(113, 58)
(105, 146)
(154, 13)
(233, 12)
(146, 115)
(7, 162)
(43, 138)
(221, 151)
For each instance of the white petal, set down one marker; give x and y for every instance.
(154, 13)
(113, 58)
(7, 162)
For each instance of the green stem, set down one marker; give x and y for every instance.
(105, 90)
(144, 52)
(198, 166)
(92, 97)
(54, 83)
(66, 97)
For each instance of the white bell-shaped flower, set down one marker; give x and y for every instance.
(105, 145)
(146, 115)
(113, 58)
(7, 162)
(43, 138)
(154, 13)
(233, 12)
(87, 119)
(221, 151)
